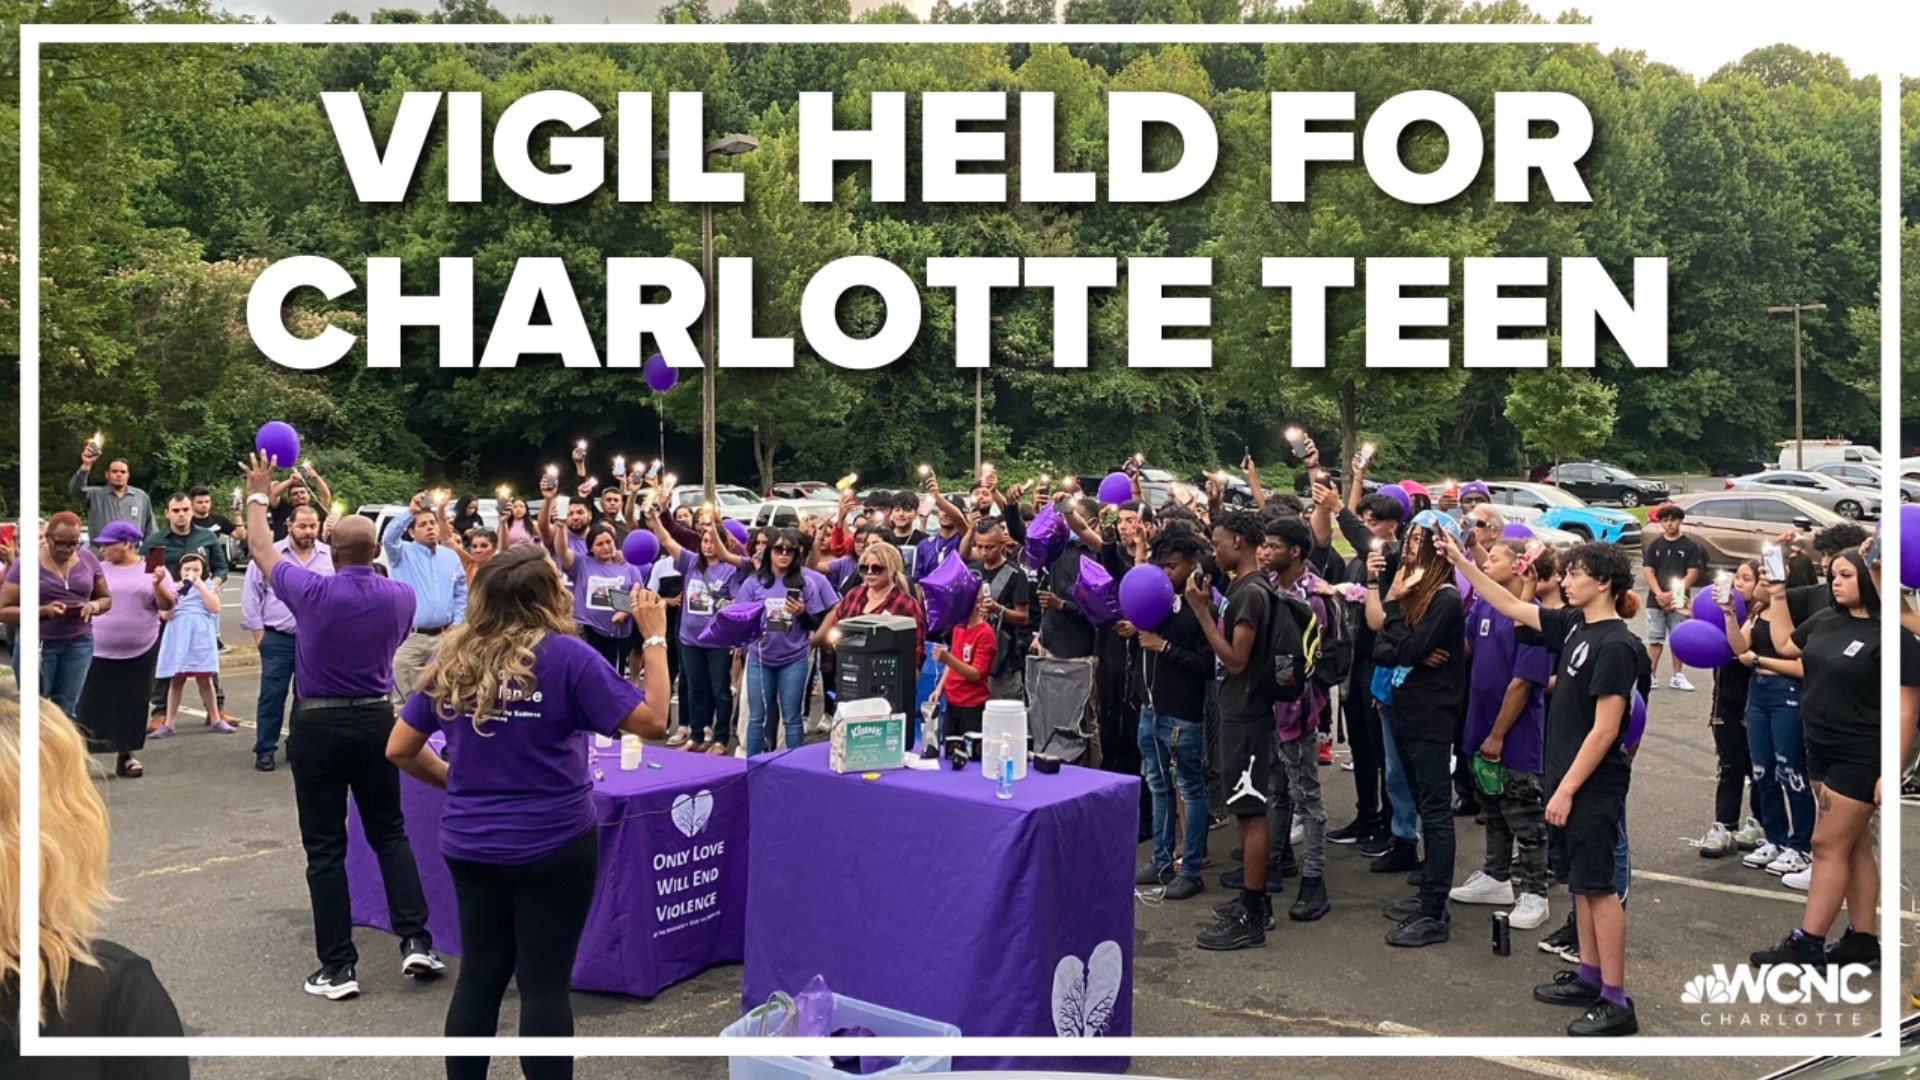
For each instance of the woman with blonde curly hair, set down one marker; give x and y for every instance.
(88, 986)
(517, 695)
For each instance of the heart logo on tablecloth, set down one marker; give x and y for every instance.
(1084, 995)
(690, 812)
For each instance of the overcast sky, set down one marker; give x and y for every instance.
(1694, 35)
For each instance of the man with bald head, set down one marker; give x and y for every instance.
(117, 501)
(350, 623)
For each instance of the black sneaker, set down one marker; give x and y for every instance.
(1425, 930)
(334, 982)
(1606, 1018)
(1855, 947)
(1226, 910)
(1375, 846)
(1237, 879)
(1234, 930)
(418, 959)
(1360, 831)
(1182, 888)
(1418, 876)
(1399, 859)
(263, 762)
(1465, 808)
(1566, 989)
(1795, 948)
(1149, 875)
(1400, 911)
(1289, 866)
(1564, 942)
(1312, 902)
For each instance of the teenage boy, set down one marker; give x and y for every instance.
(1283, 554)
(1671, 557)
(1246, 715)
(1599, 666)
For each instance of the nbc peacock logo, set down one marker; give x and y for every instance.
(1706, 990)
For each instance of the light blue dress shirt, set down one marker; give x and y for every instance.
(438, 581)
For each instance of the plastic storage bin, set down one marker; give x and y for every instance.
(847, 1012)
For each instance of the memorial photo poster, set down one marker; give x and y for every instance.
(1419, 469)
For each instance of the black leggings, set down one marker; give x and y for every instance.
(1730, 747)
(521, 924)
(613, 650)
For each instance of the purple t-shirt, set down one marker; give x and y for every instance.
(707, 591)
(130, 627)
(519, 788)
(843, 573)
(74, 590)
(786, 639)
(1497, 660)
(931, 552)
(351, 621)
(593, 584)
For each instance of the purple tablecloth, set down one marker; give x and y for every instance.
(922, 892)
(670, 902)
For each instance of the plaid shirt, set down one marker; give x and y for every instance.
(896, 603)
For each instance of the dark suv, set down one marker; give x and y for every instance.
(1596, 481)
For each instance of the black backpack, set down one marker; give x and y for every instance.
(1333, 650)
(1286, 658)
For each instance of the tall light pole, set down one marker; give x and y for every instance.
(729, 146)
(1799, 425)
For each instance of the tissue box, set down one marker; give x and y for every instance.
(867, 737)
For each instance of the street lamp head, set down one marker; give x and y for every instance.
(733, 145)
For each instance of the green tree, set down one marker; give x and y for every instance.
(1561, 411)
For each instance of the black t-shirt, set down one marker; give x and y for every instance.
(220, 524)
(1249, 600)
(1841, 655)
(1669, 559)
(1066, 633)
(909, 546)
(121, 997)
(1593, 662)
(1009, 588)
(282, 516)
(1807, 600)
(1909, 659)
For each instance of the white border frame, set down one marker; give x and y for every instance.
(33, 36)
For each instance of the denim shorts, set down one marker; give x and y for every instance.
(1660, 622)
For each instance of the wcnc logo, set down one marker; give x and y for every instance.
(1781, 984)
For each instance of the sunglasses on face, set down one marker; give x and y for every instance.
(784, 549)
(873, 568)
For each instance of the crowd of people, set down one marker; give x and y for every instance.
(1474, 671)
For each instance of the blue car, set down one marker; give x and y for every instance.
(1560, 510)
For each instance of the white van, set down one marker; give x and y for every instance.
(1822, 451)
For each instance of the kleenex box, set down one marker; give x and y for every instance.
(867, 737)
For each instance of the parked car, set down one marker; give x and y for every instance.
(1597, 481)
(1910, 468)
(1533, 518)
(1817, 488)
(1559, 509)
(735, 502)
(786, 513)
(1734, 525)
(1819, 452)
(801, 489)
(1862, 475)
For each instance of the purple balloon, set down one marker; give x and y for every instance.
(735, 529)
(734, 626)
(660, 375)
(279, 443)
(1096, 592)
(949, 593)
(1705, 610)
(1146, 597)
(1700, 644)
(1466, 587)
(1046, 538)
(1516, 530)
(1636, 722)
(1399, 494)
(1910, 546)
(641, 547)
(1116, 488)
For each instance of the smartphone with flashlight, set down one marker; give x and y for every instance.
(1297, 442)
(1722, 587)
(560, 504)
(1366, 455)
(1773, 558)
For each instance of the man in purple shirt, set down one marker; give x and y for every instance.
(273, 628)
(350, 623)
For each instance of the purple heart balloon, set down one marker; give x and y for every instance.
(660, 375)
(1399, 494)
(1046, 538)
(640, 548)
(279, 444)
(1636, 722)
(1116, 489)
(950, 592)
(1146, 597)
(1096, 592)
(1701, 644)
(734, 626)
(1705, 610)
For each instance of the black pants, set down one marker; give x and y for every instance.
(1426, 762)
(521, 924)
(1369, 756)
(1463, 786)
(1730, 747)
(1119, 718)
(613, 650)
(708, 704)
(333, 752)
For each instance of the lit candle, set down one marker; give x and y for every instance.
(504, 492)
(846, 482)
(553, 470)
(925, 469)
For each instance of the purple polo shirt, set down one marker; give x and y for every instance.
(351, 621)
(74, 590)
(1498, 659)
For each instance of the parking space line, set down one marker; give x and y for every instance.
(1785, 896)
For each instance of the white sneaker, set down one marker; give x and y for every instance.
(1799, 880)
(1298, 835)
(1529, 912)
(1679, 682)
(1481, 889)
(1750, 836)
(1717, 843)
(1789, 862)
(1761, 855)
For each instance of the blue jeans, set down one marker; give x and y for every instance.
(785, 686)
(1405, 819)
(63, 671)
(1170, 752)
(276, 678)
(1776, 744)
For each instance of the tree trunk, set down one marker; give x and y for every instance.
(766, 440)
(1349, 422)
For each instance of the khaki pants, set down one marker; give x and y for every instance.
(413, 656)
